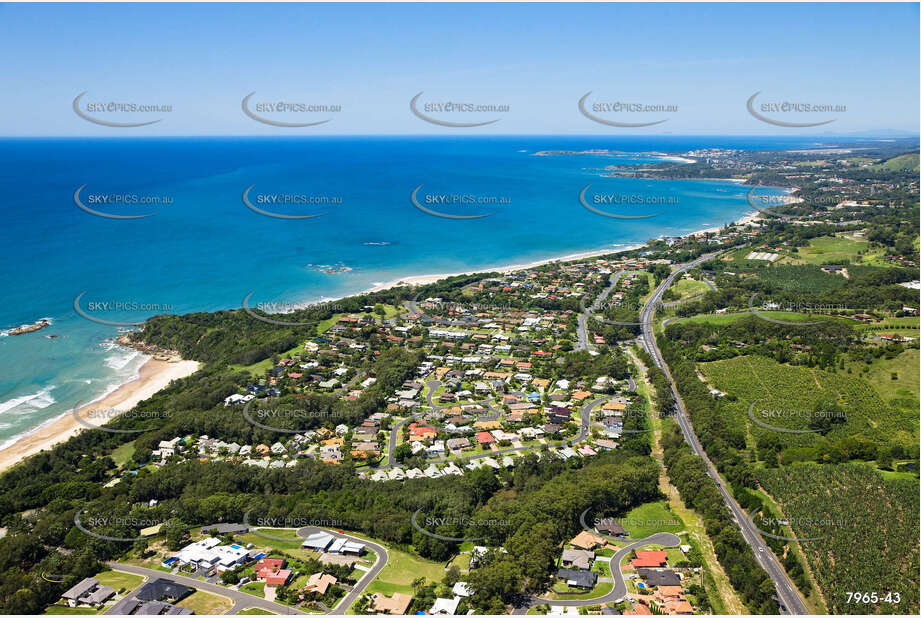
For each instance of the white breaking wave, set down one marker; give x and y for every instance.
(35, 401)
(121, 359)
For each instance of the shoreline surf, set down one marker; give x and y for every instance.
(153, 376)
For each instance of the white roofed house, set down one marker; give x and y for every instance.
(492, 463)
(209, 553)
(168, 448)
(319, 541)
(452, 469)
(278, 449)
(379, 475)
(396, 474)
(346, 547)
(445, 606)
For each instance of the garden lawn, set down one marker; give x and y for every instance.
(203, 603)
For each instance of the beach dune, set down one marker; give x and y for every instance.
(154, 375)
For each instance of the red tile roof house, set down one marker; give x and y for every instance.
(272, 571)
(422, 433)
(649, 559)
(484, 437)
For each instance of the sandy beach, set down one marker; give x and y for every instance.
(426, 279)
(154, 375)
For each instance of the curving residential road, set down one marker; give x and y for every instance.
(582, 319)
(619, 591)
(382, 557)
(432, 385)
(790, 599)
(241, 600)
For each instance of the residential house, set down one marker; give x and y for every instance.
(396, 605)
(650, 559)
(578, 578)
(577, 558)
(320, 583)
(88, 592)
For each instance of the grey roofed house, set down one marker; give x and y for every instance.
(225, 529)
(458, 443)
(128, 606)
(611, 526)
(100, 595)
(163, 588)
(578, 558)
(659, 577)
(151, 608)
(578, 577)
(80, 589)
(175, 610)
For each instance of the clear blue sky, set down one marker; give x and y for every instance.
(537, 58)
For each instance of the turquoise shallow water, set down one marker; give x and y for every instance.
(204, 249)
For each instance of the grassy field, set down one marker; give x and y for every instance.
(256, 611)
(831, 250)
(259, 369)
(292, 547)
(729, 318)
(203, 603)
(879, 375)
(120, 581)
(901, 162)
(562, 592)
(686, 288)
(402, 568)
(650, 518)
(123, 454)
(254, 588)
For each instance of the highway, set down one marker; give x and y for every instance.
(790, 599)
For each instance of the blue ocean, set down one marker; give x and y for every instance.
(202, 248)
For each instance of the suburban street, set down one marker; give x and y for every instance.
(619, 591)
(586, 416)
(352, 596)
(787, 593)
(587, 312)
(241, 600)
